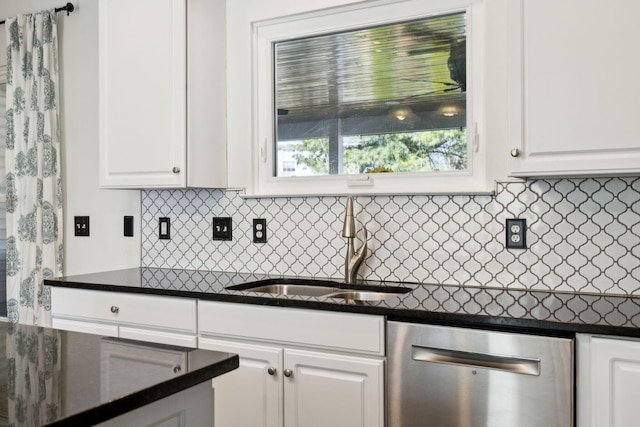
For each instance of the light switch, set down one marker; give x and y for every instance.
(81, 225)
(128, 226)
(222, 228)
(164, 228)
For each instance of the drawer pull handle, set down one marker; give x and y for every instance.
(288, 373)
(175, 169)
(515, 152)
(271, 370)
(115, 309)
(516, 365)
(177, 369)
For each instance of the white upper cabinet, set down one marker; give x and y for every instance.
(162, 93)
(574, 87)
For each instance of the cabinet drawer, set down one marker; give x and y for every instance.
(85, 327)
(325, 329)
(160, 337)
(178, 314)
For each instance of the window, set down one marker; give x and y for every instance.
(389, 98)
(346, 94)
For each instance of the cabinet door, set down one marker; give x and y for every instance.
(250, 396)
(123, 363)
(142, 90)
(615, 383)
(574, 87)
(324, 389)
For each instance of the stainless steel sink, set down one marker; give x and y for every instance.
(364, 295)
(290, 289)
(353, 293)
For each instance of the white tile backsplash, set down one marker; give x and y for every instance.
(583, 235)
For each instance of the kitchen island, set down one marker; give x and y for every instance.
(61, 378)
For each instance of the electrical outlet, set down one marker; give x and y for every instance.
(259, 230)
(164, 228)
(516, 233)
(81, 225)
(222, 228)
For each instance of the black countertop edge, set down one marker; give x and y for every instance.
(149, 395)
(497, 323)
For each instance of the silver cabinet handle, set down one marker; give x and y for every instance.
(177, 369)
(271, 370)
(288, 373)
(175, 169)
(515, 152)
(517, 365)
(115, 309)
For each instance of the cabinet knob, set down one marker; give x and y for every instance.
(288, 373)
(271, 370)
(115, 309)
(515, 152)
(177, 369)
(175, 169)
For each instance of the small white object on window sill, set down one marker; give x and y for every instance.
(359, 181)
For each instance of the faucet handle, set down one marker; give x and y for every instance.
(349, 226)
(363, 247)
(355, 261)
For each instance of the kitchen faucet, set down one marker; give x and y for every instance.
(353, 258)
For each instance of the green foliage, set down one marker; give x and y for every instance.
(442, 150)
(314, 153)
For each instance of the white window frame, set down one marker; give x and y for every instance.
(266, 33)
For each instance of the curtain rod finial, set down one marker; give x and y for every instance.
(70, 8)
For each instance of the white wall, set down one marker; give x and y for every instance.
(106, 248)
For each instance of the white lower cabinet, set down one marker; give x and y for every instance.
(152, 364)
(281, 382)
(325, 389)
(151, 318)
(608, 381)
(252, 394)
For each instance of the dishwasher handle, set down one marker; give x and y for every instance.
(515, 365)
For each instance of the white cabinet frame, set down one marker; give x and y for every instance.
(567, 114)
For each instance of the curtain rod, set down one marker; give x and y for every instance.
(67, 7)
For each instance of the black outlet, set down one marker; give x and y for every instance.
(516, 233)
(164, 228)
(259, 230)
(81, 225)
(222, 228)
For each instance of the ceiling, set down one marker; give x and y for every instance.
(369, 72)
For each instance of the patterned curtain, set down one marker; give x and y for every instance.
(34, 182)
(34, 375)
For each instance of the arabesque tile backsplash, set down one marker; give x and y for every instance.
(583, 235)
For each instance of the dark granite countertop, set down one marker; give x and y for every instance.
(58, 378)
(518, 310)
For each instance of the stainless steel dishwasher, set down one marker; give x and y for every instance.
(454, 377)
